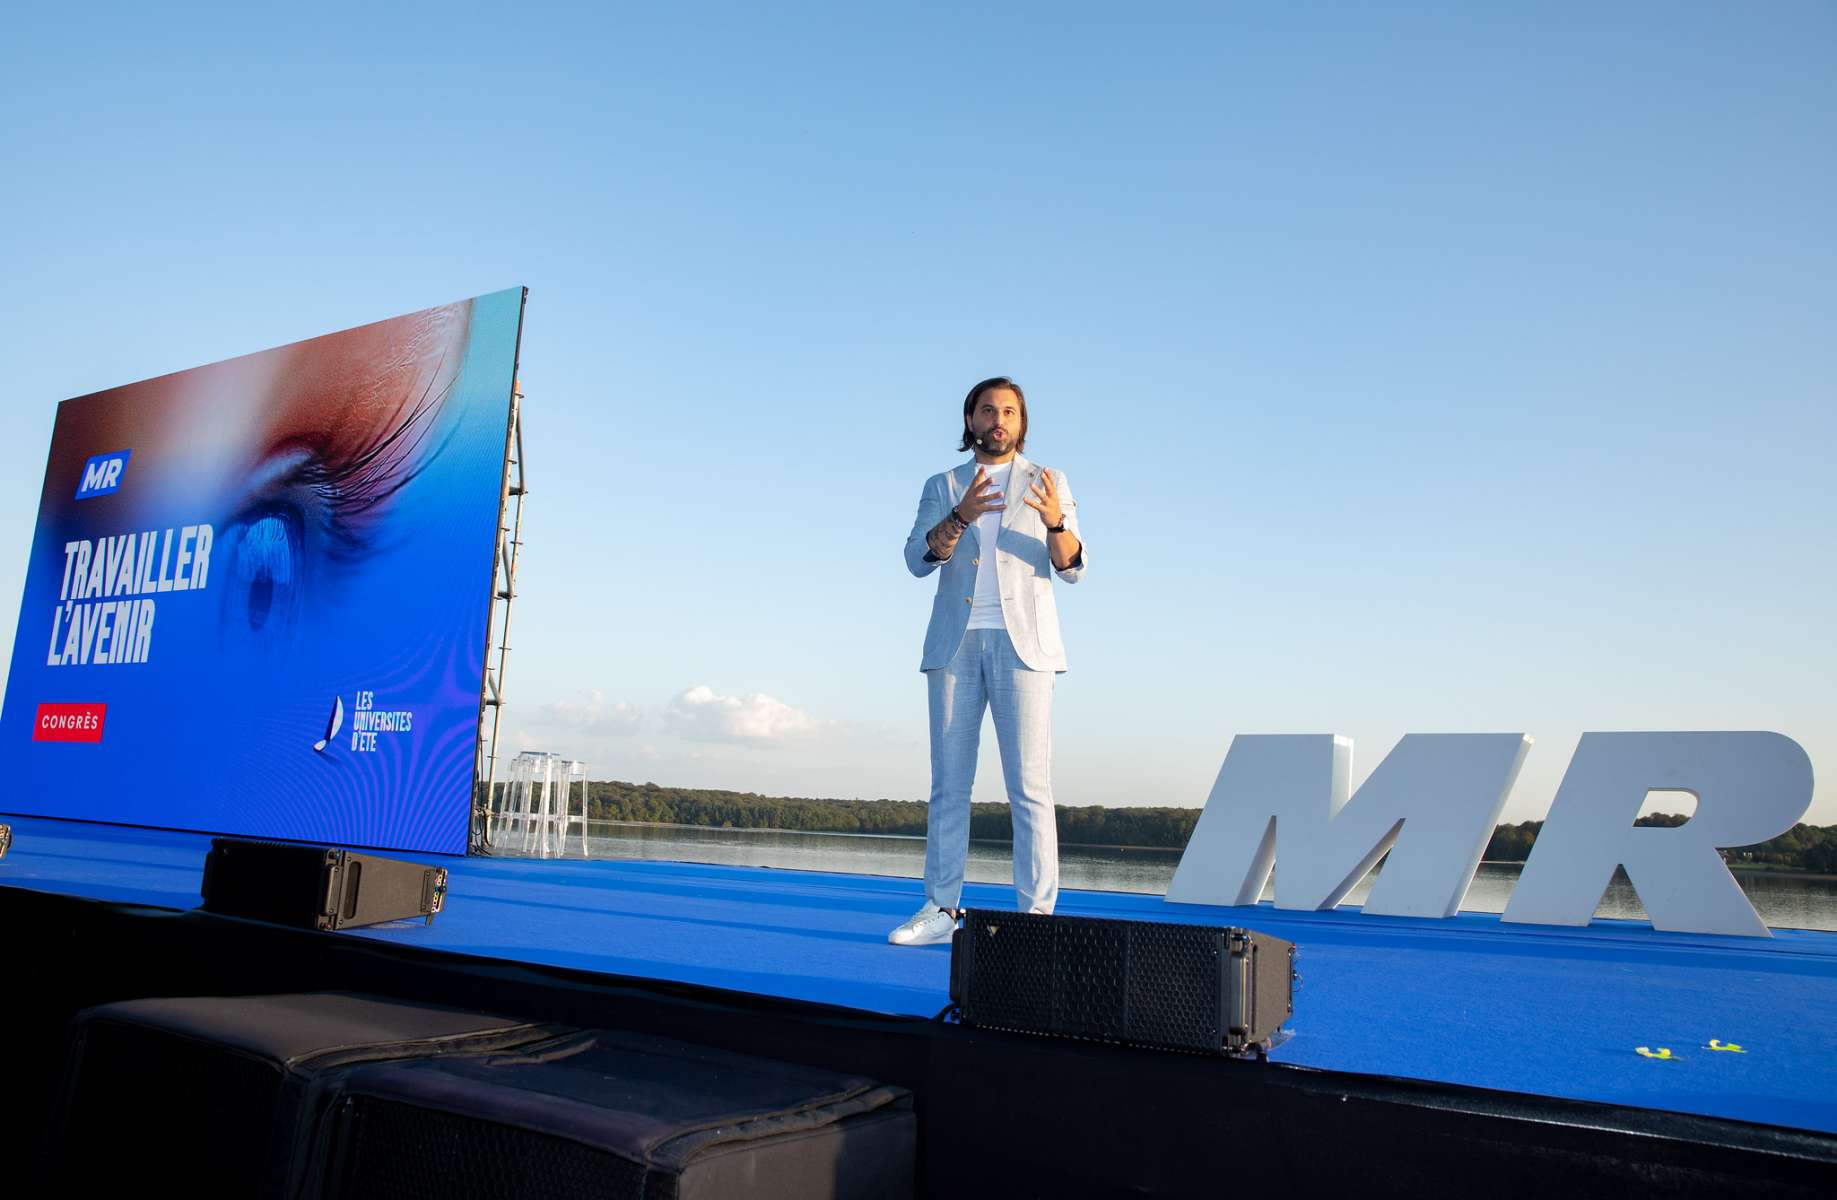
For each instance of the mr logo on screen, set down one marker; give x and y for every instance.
(102, 474)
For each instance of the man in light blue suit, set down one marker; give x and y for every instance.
(993, 642)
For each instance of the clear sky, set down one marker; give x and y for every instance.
(1417, 367)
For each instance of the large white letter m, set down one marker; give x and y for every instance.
(1432, 803)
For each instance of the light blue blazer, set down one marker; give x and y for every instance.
(1023, 567)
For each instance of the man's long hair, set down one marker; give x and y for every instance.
(969, 406)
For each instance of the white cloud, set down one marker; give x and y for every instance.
(702, 715)
(594, 715)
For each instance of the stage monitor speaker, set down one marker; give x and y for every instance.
(1204, 988)
(608, 1114)
(221, 1095)
(6, 839)
(314, 887)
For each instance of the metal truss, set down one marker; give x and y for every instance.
(497, 626)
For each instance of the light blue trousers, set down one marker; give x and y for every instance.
(986, 673)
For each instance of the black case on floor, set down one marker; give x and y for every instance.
(600, 1114)
(316, 887)
(215, 1095)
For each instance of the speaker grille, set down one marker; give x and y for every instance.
(1090, 980)
(406, 1152)
(1141, 982)
(1174, 995)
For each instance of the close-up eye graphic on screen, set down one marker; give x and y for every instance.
(335, 451)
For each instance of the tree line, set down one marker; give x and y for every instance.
(1804, 847)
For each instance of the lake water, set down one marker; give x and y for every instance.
(1784, 900)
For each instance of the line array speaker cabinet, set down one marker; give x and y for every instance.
(317, 888)
(1205, 988)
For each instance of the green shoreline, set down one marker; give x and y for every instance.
(1804, 851)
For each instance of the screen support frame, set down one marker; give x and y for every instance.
(497, 634)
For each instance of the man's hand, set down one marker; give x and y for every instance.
(942, 540)
(978, 499)
(1062, 546)
(1046, 502)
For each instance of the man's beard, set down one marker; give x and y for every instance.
(989, 445)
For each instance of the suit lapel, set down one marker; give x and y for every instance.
(1021, 475)
(961, 478)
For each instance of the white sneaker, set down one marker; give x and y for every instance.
(927, 927)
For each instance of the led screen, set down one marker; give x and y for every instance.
(258, 593)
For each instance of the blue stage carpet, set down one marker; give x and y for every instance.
(1550, 1011)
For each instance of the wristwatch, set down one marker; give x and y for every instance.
(1059, 528)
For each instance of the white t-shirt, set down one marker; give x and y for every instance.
(985, 613)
